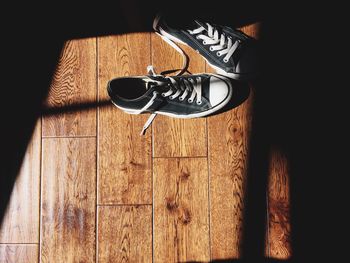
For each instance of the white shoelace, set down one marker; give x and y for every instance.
(175, 90)
(218, 42)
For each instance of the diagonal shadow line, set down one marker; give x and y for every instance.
(48, 111)
(23, 94)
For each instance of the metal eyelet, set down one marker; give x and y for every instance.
(204, 43)
(218, 54)
(181, 98)
(190, 101)
(163, 95)
(225, 60)
(199, 102)
(211, 48)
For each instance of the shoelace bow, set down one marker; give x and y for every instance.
(180, 87)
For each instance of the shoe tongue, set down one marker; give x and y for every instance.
(155, 82)
(159, 80)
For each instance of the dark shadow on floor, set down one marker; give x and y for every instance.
(29, 59)
(75, 107)
(244, 261)
(287, 107)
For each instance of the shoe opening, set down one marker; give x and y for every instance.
(127, 88)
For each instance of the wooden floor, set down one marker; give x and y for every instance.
(92, 190)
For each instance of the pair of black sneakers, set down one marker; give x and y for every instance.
(230, 52)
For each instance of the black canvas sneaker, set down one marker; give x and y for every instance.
(186, 96)
(230, 52)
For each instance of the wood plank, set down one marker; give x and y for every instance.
(68, 200)
(177, 137)
(19, 253)
(125, 234)
(279, 228)
(181, 219)
(124, 156)
(228, 140)
(21, 221)
(73, 84)
(229, 135)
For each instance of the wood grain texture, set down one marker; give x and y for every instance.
(279, 228)
(278, 243)
(19, 253)
(177, 137)
(68, 200)
(181, 220)
(252, 30)
(124, 156)
(125, 234)
(228, 140)
(21, 221)
(228, 135)
(73, 83)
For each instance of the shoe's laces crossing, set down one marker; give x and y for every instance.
(179, 87)
(218, 42)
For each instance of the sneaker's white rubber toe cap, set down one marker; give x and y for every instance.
(218, 91)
